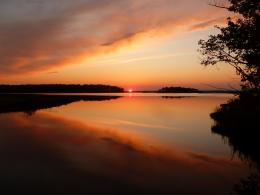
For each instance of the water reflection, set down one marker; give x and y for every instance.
(179, 122)
(117, 147)
(52, 153)
(30, 103)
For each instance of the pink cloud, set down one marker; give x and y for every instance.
(44, 35)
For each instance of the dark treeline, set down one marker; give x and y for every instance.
(59, 88)
(192, 90)
(237, 122)
(178, 90)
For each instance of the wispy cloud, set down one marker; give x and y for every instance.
(41, 35)
(138, 59)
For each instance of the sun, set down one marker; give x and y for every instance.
(130, 90)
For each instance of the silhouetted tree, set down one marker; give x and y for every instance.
(237, 44)
(60, 88)
(178, 90)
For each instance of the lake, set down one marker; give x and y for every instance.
(136, 143)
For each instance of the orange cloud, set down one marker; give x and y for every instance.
(43, 35)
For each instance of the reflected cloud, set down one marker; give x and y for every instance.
(137, 124)
(45, 152)
(215, 160)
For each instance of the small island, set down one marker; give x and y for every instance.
(178, 90)
(60, 88)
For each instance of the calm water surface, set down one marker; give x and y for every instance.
(134, 144)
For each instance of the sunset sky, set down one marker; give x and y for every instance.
(138, 44)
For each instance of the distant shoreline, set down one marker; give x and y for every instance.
(198, 92)
(94, 88)
(60, 88)
(124, 92)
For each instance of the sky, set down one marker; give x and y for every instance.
(137, 44)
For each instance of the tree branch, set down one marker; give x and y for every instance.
(234, 58)
(218, 6)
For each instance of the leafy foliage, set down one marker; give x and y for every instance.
(237, 44)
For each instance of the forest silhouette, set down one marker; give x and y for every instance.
(237, 121)
(60, 88)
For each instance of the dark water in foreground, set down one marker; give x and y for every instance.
(138, 144)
